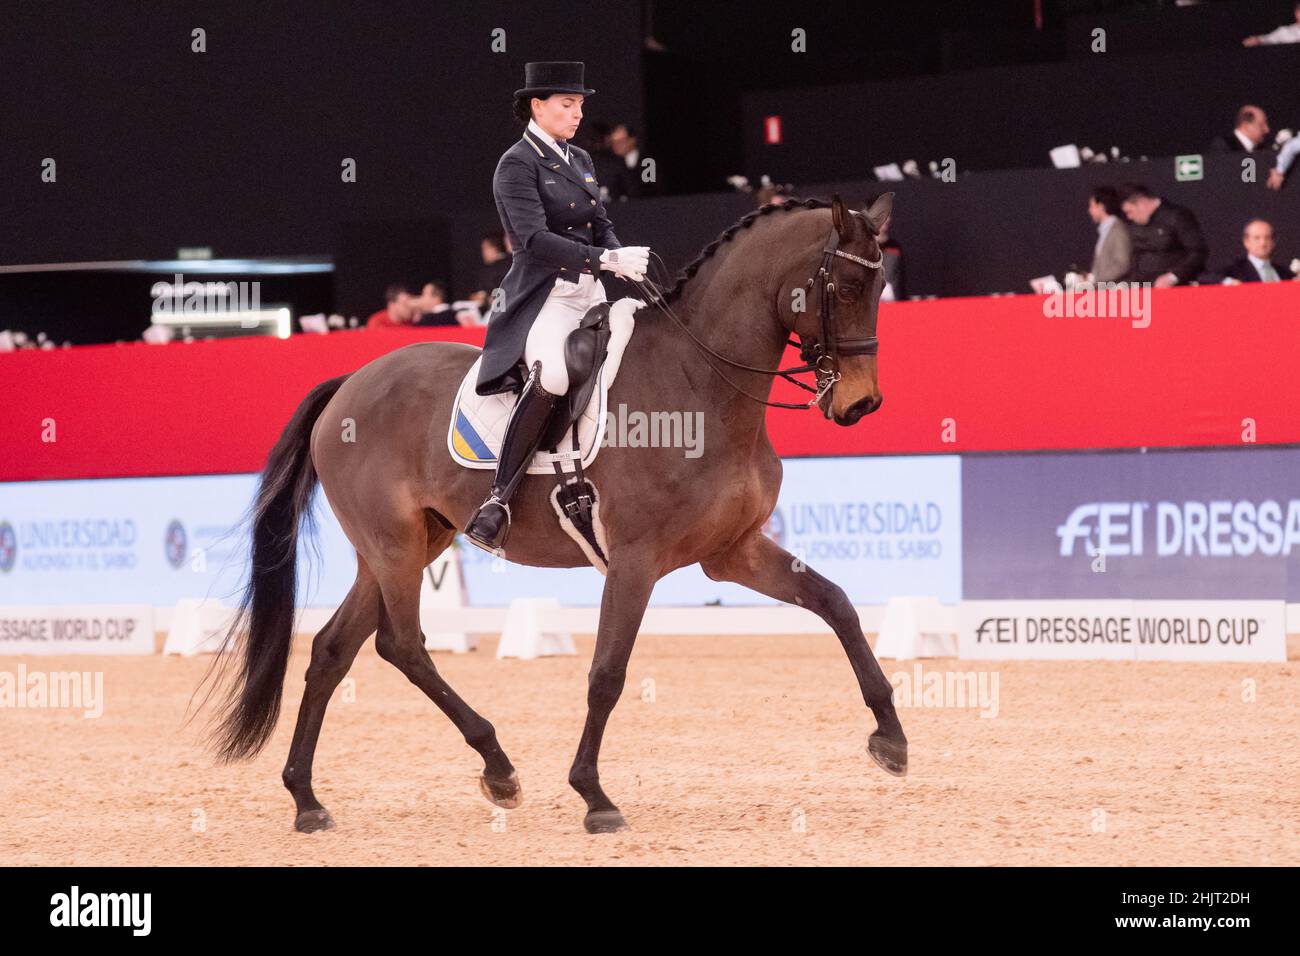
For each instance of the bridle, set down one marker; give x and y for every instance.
(820, 356)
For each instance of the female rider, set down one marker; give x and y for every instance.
(549, 202)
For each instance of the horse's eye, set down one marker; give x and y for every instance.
(849, 291)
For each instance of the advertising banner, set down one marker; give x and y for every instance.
(1161, 524)
(878, 527)
(153, 541)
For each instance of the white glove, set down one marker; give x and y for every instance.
(629, 262)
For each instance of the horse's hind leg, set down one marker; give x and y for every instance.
(332, 654)
(757, 562)
(401, 643)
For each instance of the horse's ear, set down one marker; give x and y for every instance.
(841, 217)
(878, 214)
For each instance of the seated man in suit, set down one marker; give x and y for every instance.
(1112, 256)
(433, 308)
(624, 165)
(1248, 135)
(1168, 248)
(1257, 264)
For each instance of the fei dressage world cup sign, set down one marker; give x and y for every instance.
(1123, 630)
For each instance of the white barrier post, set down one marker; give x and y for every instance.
(442, 589)
(917, 627)
(197, 627)
(525, 635)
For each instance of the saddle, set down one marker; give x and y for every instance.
(584, 353)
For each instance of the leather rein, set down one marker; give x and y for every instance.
(818, 358)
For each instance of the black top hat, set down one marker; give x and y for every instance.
(543, 79)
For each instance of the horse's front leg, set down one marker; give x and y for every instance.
(628, 584)
(758, 563)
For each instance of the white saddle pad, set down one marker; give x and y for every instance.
(478, 422)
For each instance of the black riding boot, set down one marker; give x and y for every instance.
(491, 523)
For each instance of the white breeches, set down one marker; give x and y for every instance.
(560, 315)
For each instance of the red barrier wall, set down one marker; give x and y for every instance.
(1008, 377)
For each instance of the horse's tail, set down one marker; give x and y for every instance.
(262, 631)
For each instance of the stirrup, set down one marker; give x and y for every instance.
(494, 500)
(491, 538)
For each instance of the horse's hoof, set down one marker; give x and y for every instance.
(505, 793)
(604, 821)
(890, 754)
(309, 821)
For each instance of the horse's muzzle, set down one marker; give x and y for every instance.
(859, 410)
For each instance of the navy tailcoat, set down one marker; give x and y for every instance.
(558, 228)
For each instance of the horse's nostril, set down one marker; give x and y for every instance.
(861, 408)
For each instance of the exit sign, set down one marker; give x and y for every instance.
(772, 130)
(1188, 168)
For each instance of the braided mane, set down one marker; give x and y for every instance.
(744, 222)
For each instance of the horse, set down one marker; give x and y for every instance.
(374, 441)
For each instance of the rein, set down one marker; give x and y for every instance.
(819, 357)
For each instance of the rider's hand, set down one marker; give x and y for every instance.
(629, 262)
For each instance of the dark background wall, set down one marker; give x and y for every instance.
(1008, 117)
(239, 148)
(1140, 29)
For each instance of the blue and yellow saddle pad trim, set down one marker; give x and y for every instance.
(467, 442)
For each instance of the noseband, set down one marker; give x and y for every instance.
(820, 356)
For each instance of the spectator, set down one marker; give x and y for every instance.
(1287, 33)
(1248, 135)
(1285, 157)
(494, 248)
(432, 307)
(1113, 254)
(775, 193)
(399, 311)
(1257, 265)
(1168, 248)
(892, 253)
(606, 163)
(624, 170)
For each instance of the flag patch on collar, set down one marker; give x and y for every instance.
(587, 177)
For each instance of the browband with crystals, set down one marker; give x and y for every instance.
(860, 261)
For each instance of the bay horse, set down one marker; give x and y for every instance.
(375, 440)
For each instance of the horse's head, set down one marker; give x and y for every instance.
(838, 322)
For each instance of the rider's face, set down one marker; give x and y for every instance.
(559, 114)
